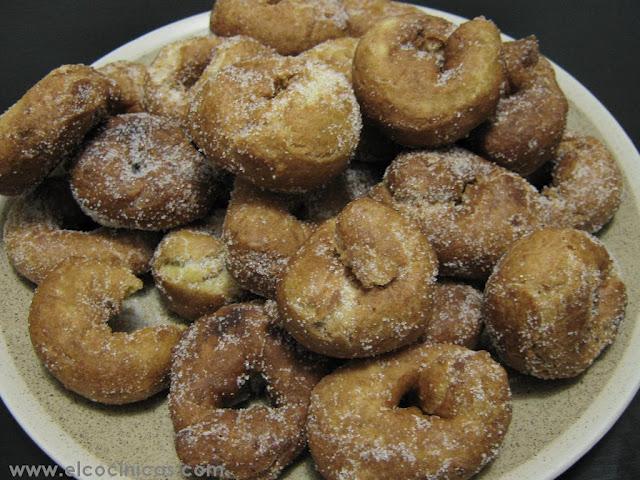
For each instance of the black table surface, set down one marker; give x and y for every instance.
(595, 40)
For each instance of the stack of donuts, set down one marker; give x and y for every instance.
(337, 198)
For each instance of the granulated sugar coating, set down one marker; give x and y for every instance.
(360, 425)
(141, 171)
(214, 367)
(470, 209)
(39, 234)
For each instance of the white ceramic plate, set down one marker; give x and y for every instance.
(554, 423)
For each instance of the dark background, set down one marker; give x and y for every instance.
(597, 41)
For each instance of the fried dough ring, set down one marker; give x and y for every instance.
(363, 14)
(175, 69)
(358, 428)
(553, 303)
(36, 239)
(456, 315)
(337, 53)
(587, 187)
(470, 209)
(283, 123)
(360, 285)
(141, 171)
(48, 123)
(425, 82)
(189, 269)
(212, 365)
(289, 26)
(129, 80)
(530, 119)
(70, 334)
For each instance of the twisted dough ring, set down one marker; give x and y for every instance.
(129, 80)
(70, 334)
(553, 303)
(282, 123)
(363, 14)
(189, 269)
(289, 26)
(174, 71)
(470, 209)
(36, 238)
(425, 82)
(360, 285)
(357, 428)
(48, 123)
(213, 365)
(529, 121)
(456, 315)
(141, 171)
(586, 188)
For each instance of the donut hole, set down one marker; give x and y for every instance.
(426, 45)
(411, 399)
(281, 84)
(253, 392)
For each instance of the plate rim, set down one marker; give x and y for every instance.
(67, 452)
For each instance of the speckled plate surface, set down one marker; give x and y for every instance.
(554, 423)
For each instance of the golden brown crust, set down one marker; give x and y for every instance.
(129, 80)
(289, 26)
(213, 367)
(587, 187)
(470, 209)
(261, 235)
(456, 315)
(553, 303)
(48, 123)
(70, 334)
(363, 14)
(360, 285)
(141, 171)
(189, 270)
(358, 428)
(36, 238)
(173, 72)
(282, 123)
(425, 82)
(338, 54)
(530, 118)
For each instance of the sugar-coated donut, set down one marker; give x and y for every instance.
(586, 188)
(530, 118)
(214, 366)
(69, 331)
(337, 53)
(361, 285)
(363, 14)
(289, 26)
(39, 234)
(456, 315)
(470, 209)
(174, 71)
(129, 80)
(261, 235)
(48, 123)
(359, 427)
(189, 269)
(553, 303)
(141, 171)
(282, 123)
(426, 83)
